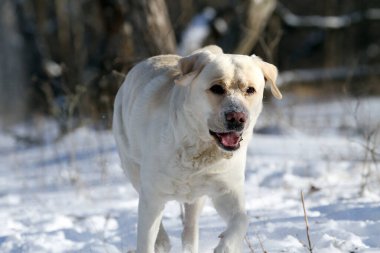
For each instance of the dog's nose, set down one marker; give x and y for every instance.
(236, 117)
(235, 121)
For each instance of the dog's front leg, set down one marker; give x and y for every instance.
(231, 207)
(149, 218)
(190, 234)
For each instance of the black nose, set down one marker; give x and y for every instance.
(236, 117)
(235, 120)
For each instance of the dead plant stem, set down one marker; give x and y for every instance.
(306, 223)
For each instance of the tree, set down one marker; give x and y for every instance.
(153, 33)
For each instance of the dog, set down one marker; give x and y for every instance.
(182, 126)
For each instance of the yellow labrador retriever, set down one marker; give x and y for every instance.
(182, 126)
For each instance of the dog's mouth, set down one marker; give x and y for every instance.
(229, 141)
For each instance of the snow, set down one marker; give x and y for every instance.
(72, 196)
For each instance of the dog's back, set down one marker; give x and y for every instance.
(145, 90)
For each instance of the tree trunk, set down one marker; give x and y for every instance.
(13, 69)
(258, 14)
(152, 31)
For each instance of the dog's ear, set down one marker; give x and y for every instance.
(270, 73)
(190, 66)
(212, 49)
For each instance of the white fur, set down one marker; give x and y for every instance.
(161, 125)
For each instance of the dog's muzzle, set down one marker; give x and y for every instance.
(230, 139)
(235, 121)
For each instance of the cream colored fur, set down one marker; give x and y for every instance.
(162, 116)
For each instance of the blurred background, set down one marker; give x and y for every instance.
(63, 60)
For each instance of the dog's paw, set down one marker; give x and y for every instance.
(163, 248)
(227, 245)
(222, 248)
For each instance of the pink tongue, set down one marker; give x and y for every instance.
(229, 139)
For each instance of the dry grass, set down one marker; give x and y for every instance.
(309, 247)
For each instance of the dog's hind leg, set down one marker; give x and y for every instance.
(190, 234)
(162, 242)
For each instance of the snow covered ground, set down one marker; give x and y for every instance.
(71, 196)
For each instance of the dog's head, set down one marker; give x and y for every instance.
(225, 93)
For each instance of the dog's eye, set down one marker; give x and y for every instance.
(250, 90)
(217, 89)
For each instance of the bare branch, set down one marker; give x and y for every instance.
(330, 22)
(339, 73)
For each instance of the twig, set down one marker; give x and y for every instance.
(306, 223)
(249, 244)
(261, 243)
